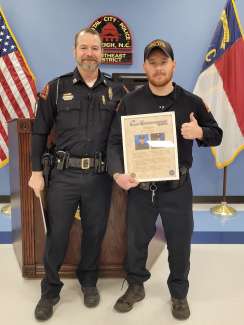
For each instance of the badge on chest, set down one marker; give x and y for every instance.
(67, 96)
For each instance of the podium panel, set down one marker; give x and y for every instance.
(27, 228)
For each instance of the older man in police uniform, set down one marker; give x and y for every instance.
(80, 105)
(171, 199)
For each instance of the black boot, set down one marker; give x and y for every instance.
(133, 294)
(44, 308)
(91, 296)
(180, 308)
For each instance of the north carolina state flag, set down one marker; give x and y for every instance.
(221, 84)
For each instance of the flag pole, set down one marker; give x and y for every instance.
(223, 209)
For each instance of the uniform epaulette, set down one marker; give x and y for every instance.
(60, 77)
(69, 74)
(53, 81)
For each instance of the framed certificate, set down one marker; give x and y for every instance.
(150, 146)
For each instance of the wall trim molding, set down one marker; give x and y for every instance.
(218, 199)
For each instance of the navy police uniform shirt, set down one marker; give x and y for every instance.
(182, 102)
(81, 115)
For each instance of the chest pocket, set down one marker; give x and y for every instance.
(68, 114)
(107, 111)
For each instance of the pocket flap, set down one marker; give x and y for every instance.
(68, 105)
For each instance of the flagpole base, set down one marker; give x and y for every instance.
(6, 209)
(223, 210)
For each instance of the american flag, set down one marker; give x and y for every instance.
(17, 85)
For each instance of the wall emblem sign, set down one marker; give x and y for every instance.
(116, 40)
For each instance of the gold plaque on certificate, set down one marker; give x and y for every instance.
(150, 146)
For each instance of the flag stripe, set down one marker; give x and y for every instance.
(3, 134)
(4, 111)
(26, 79)
(7, 105)
(4, 147)
(18, 82)
(231, 68)
(13, 90)
(27, 75)
(3, 128)
(3, 156)
(11, 94)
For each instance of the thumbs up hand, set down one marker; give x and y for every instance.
(191, 130)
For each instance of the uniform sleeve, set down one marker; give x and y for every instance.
(39, 142)
(212, 133)
(115, 147)
(44, 120)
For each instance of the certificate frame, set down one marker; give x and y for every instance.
(150, 146)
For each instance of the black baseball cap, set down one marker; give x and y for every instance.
(159, 44)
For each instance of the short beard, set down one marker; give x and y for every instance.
(162, 83)
(88, 66)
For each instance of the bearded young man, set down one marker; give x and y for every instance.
(80, 106)
(171, 199)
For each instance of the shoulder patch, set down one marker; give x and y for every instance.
(44, 93)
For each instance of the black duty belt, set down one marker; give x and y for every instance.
(63, 160)
(81, 163)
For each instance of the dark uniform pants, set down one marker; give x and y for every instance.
(68, 189)
(175, 209)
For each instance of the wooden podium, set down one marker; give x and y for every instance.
(27, 228)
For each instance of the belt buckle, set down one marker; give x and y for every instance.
(85, 163)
